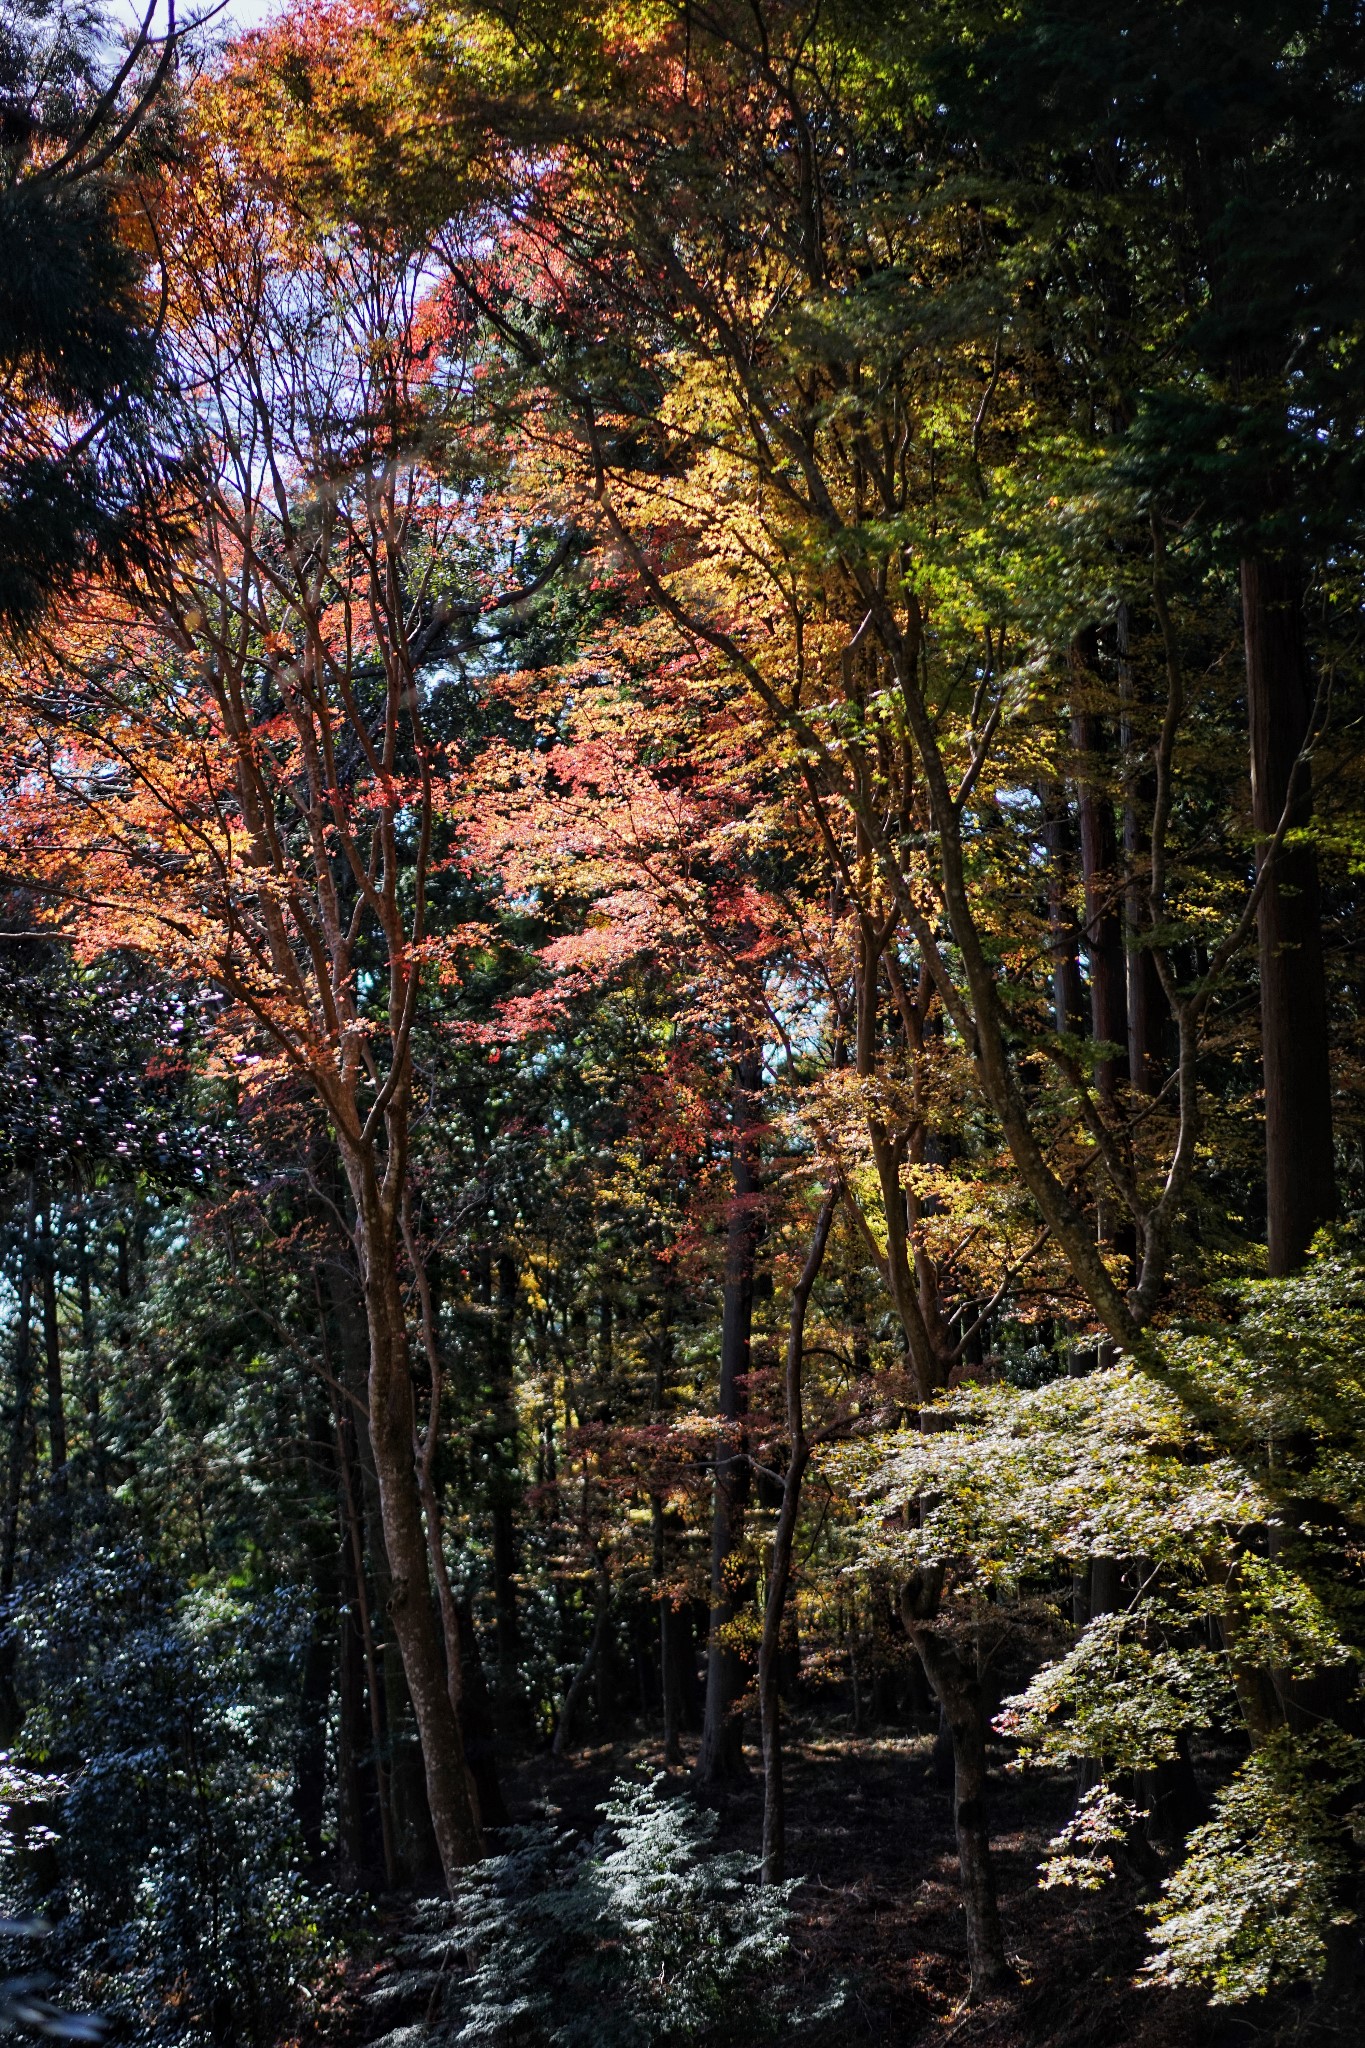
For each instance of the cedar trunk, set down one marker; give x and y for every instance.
(1068, 993)
(1103, 927)
(1148, 1011)
(1300, 1176)
(52, 1353)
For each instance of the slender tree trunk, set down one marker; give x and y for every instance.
(670, 1621)
(929, 1358)
(1068, 990)
(464, 1668)
(578, 1685)
(672, 1628)
(353, 1858)
(23, 1397)
(94, 1418)
(780, 1568)
(1300, 1167)
(505, 1488)
(317, 1468)
(721, 1752)
(1148, 1012)
(52, 1352)
(310, 1754)
(478, 1724)
(1103, 925)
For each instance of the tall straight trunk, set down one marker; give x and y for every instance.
(780, 1567)
(910, 1276)
(317, 1477)
(353, 1806)
(930, 1361)
(669, 1623)
(1068, 990)
(505, 1489)
(670, 1689)
(310, 1752)
(592, 1658)
(1103, 924)
(1300, 1169)
(52, 1354)
(91, 1391)
(411, 1607)
(721, 1752)
(477, 1723)
(23, 1398)
(1148, 1012)
(14, 1477)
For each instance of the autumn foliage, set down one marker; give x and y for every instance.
(727, 719)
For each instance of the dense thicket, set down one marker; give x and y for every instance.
(680, 1004)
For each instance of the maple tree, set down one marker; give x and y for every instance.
(237, 760)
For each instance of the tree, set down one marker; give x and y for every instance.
(245, 730)
(1228, 140)
(77, 323)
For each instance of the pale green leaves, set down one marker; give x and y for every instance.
(1264, 1883)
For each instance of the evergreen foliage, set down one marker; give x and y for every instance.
(77, 321)
(642, 1937)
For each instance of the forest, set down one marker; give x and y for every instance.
(682, 1023)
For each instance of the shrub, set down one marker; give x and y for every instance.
(160, 1751)
(642, 1937)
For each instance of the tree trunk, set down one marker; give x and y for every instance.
(573, 1698)
(23, 1396)
(361, 1670)
(52, 1352)
(464, 1667)
(1300, 1169)
(1148, 1011)
(94, 1418)
(1103, 925)
(499, 1436)
(669, 1624)
(414, 1841)
(958, 1690)
(1068, 992)
(412, 1611)
(316, 1469)
(363, 1626)
(310, 1753)
(354, 1808)
(721, 1752)
(780, 1568)
(478, 1725)
(670, 1621)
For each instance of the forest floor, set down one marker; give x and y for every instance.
(870, 1837)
